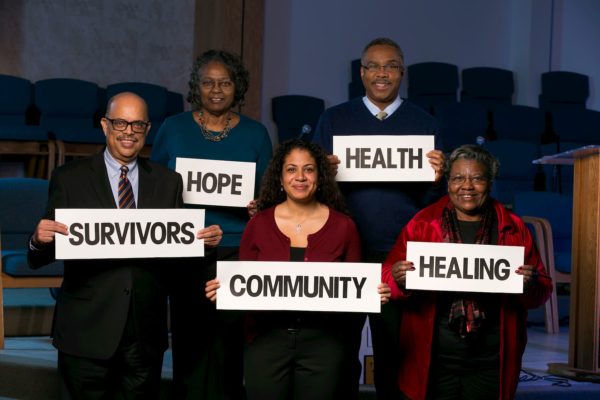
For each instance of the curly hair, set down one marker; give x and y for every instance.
(237, 73)
(476, 153)
(327, 193)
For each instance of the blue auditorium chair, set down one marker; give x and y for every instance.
(563, 90)
(517, 172)
(156, 98)
(355, 87)
(554, 213)
(68, 110)
(519, 123)
(432, 83)
(174, 103)
(16, 136)
(460, 123)
(23, 203)
(490, 87)
(296, 115)
(576, 128)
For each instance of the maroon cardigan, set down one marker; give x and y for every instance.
(337, 240)
(418, 309)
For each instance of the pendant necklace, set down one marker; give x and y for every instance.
(210, 135)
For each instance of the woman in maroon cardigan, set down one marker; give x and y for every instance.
(464, 345)
(302, 217)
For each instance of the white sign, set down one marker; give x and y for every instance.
(304, 286)
(465, 267)
(216, 182)
(381, 158)
(129, 233)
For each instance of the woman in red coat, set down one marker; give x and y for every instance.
(464, 345)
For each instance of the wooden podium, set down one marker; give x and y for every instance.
(584, 325)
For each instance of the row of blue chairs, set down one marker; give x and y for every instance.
(60, 117)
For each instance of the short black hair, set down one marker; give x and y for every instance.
(382, 41)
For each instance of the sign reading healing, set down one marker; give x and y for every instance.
(216, 182)
(303, 286)
(465, 267)
(129, 233)
(384, 158)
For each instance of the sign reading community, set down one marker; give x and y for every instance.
(129, 233)
(465, 267)
(384, 158)
(216, 182)
(303, 286)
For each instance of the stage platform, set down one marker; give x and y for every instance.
(28, 363)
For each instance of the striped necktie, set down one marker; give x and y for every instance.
(381, 115)
(126, 199)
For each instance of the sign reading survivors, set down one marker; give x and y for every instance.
(384, 158)
(465, 267)
(129, 233)
(303, 286)
(215, 182)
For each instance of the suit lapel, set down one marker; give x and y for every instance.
(100, 184)
(147, 184)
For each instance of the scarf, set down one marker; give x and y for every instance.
(466, 316)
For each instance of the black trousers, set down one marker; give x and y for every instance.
(207, 345)
(129, 374)
(385, 334)
(302, 364)
(473, 384)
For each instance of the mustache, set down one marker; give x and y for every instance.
(128, 137)
(380, 80)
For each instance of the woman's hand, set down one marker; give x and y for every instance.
(385, 292)
(334, 161)
(212, 235)
(530, 275)
(211, 290)
(399, 272)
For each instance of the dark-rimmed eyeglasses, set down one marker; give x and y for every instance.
(119, 124)
(372, 67)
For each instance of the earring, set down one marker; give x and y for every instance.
(281, 188)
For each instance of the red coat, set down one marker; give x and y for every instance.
(418, 310)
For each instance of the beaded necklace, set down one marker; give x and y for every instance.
(210, 135)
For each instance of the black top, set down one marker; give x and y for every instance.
(473, 352)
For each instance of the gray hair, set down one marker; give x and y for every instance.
(477, 153)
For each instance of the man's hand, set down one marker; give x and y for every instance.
(46, 230)
(437, 160)
(334, 161)
(212, 235)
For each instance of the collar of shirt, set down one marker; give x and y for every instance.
(389, 109)
(113, 168)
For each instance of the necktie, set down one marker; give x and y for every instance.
(126, 199)
(381, 115)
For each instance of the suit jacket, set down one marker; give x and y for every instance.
(97, 295)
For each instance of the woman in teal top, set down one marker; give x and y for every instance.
(207, 345)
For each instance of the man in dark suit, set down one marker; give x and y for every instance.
(110, 324)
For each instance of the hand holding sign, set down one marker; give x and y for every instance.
(530, 275)
(211, 290)
(399, 272)
(437, 160)
(46, 230)
(384, 292)
(212, 235)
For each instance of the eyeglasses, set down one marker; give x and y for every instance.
(121, 125)
(209, 84)
(475, 180)
(372, 67)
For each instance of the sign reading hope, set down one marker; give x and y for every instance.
(303, 286)
(465, 267)
(129, 233)
(384, 158)
(216, 182)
